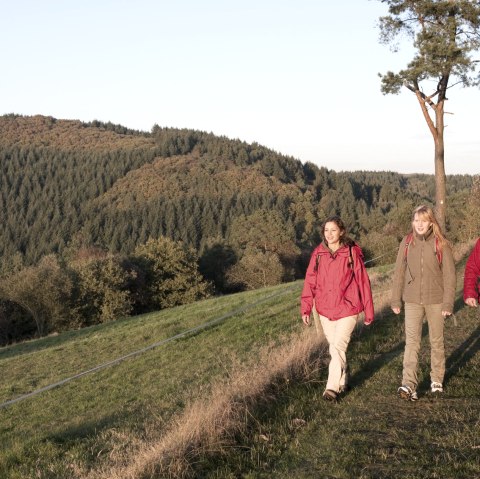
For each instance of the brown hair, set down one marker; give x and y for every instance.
(344, 239)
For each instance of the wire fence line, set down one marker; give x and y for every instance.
(167, 340)
(138, 352)
(381, 256)
(156, 344)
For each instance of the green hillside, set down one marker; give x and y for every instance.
(64, 181)
(112, 222)
(116, 421)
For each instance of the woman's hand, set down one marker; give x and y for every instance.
(471, 302)
(396, 310)
(446, 313)
(306, 319)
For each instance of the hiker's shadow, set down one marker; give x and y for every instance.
(463, 354)
(459, 358)
(370, 335)
(466, 351)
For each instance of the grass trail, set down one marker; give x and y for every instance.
(371, 433)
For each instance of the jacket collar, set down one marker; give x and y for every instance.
(326, 250)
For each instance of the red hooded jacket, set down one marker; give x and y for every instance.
(335, 287)
(472, 274)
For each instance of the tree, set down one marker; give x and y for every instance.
(15, 324)
(471, 226)
(43, 291)
(171, 274)
(256, 269)
(267, 232)
(214, 262)
(102, 287)
(444, 33)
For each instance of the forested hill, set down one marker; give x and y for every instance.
(67, 182)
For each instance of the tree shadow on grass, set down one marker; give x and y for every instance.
(84, 429)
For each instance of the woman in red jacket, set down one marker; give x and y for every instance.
(336, 287)
(471, 291)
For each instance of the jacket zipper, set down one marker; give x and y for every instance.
(421, 271)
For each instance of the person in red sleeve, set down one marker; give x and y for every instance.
(336, 289)
(471, 290)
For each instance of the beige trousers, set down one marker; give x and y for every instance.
(338, 334)
(414, 314)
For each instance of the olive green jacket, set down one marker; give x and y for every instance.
(421, 279)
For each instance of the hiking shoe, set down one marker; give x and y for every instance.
(406, 392)
(329, 395)
(436, 387)
(344, 389)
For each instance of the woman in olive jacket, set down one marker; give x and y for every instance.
(424, 280)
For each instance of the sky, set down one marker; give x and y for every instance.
(297, 76)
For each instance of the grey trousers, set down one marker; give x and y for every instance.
(414, 314)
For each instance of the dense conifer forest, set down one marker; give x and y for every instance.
(71, 190)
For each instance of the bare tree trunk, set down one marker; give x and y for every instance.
(440, 178)
(436, 129)
(440, 185)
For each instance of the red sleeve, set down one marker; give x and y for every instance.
(472, 273)
(308, 292)
(364, 286)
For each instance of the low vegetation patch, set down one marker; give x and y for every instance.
(66, 431)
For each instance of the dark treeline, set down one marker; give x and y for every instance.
(67, 186)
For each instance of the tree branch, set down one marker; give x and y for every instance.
(420, 94)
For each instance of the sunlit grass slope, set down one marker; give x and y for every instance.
(68, 424)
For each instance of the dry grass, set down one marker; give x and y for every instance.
(209, 425)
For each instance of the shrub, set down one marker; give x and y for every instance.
(43, 291)
(171, 274)
(101, 288)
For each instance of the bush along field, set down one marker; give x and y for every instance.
(240, 397)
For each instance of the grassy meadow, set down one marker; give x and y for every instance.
(49, 434)
(238, 399)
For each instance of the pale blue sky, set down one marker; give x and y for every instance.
(297, 76)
